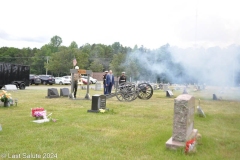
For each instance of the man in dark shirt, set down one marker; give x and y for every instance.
(104, 83)
(122, 78)
(76, 78)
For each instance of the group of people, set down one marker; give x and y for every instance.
(108, 81)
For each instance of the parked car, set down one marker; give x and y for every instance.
(47, 79)
(67, 79)
(84, 80)
(59, 80)
(91, 80)
(34, 79)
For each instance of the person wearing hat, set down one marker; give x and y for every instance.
(122, 78)
(104, 83)
(76, 78)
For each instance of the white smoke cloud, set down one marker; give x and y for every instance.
(212, 66)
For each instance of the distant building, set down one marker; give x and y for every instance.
(99, 76)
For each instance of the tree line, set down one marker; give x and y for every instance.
(56, 59)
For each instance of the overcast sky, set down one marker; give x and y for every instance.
(151, 23)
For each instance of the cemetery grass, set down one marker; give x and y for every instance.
(129, 130)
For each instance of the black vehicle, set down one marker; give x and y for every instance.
(14, 74)
(34, 79)
(47, 79)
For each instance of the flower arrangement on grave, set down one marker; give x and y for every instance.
(102, 110)
(39, 113)
(190, 145)
(5, 97)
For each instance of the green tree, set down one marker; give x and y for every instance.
(117, 47)
(40, 58)
(37, 66)
(132, 69)
(117, 64)
(55, 42)
(10, 55)
(60, 62)
(95, 66)
(73, 45)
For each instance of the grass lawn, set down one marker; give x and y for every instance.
(136, 130)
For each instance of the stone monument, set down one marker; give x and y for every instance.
(95, 103)
(98, 102)
(103, 102)
(183, 122)
(169, 93)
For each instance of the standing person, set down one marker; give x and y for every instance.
(110, 81)
(105, 89)
(122, 78)
(76, 78)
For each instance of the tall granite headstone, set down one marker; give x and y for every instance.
(183, 121)
(95, 103)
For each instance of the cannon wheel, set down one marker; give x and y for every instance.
(145, 91)
(126, 92)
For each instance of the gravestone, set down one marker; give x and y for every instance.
(185, 91)
(98, 87)
(10, 87)
(183, 121)
(169, 93)
(95, 103)
(215, 97)
(200, 112)
(103, 102)
(52, 93)
(64, 92)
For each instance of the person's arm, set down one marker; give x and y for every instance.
(106, 80)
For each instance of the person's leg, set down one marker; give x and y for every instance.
(75, 88)
(110, 88)
(105, 89)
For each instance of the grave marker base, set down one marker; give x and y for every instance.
(94, 111)
(170, 144)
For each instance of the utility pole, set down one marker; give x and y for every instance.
(47, 65)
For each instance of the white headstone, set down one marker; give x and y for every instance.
(10, 87)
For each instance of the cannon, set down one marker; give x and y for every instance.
(130, 91)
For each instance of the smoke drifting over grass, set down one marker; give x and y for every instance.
(212, 66)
